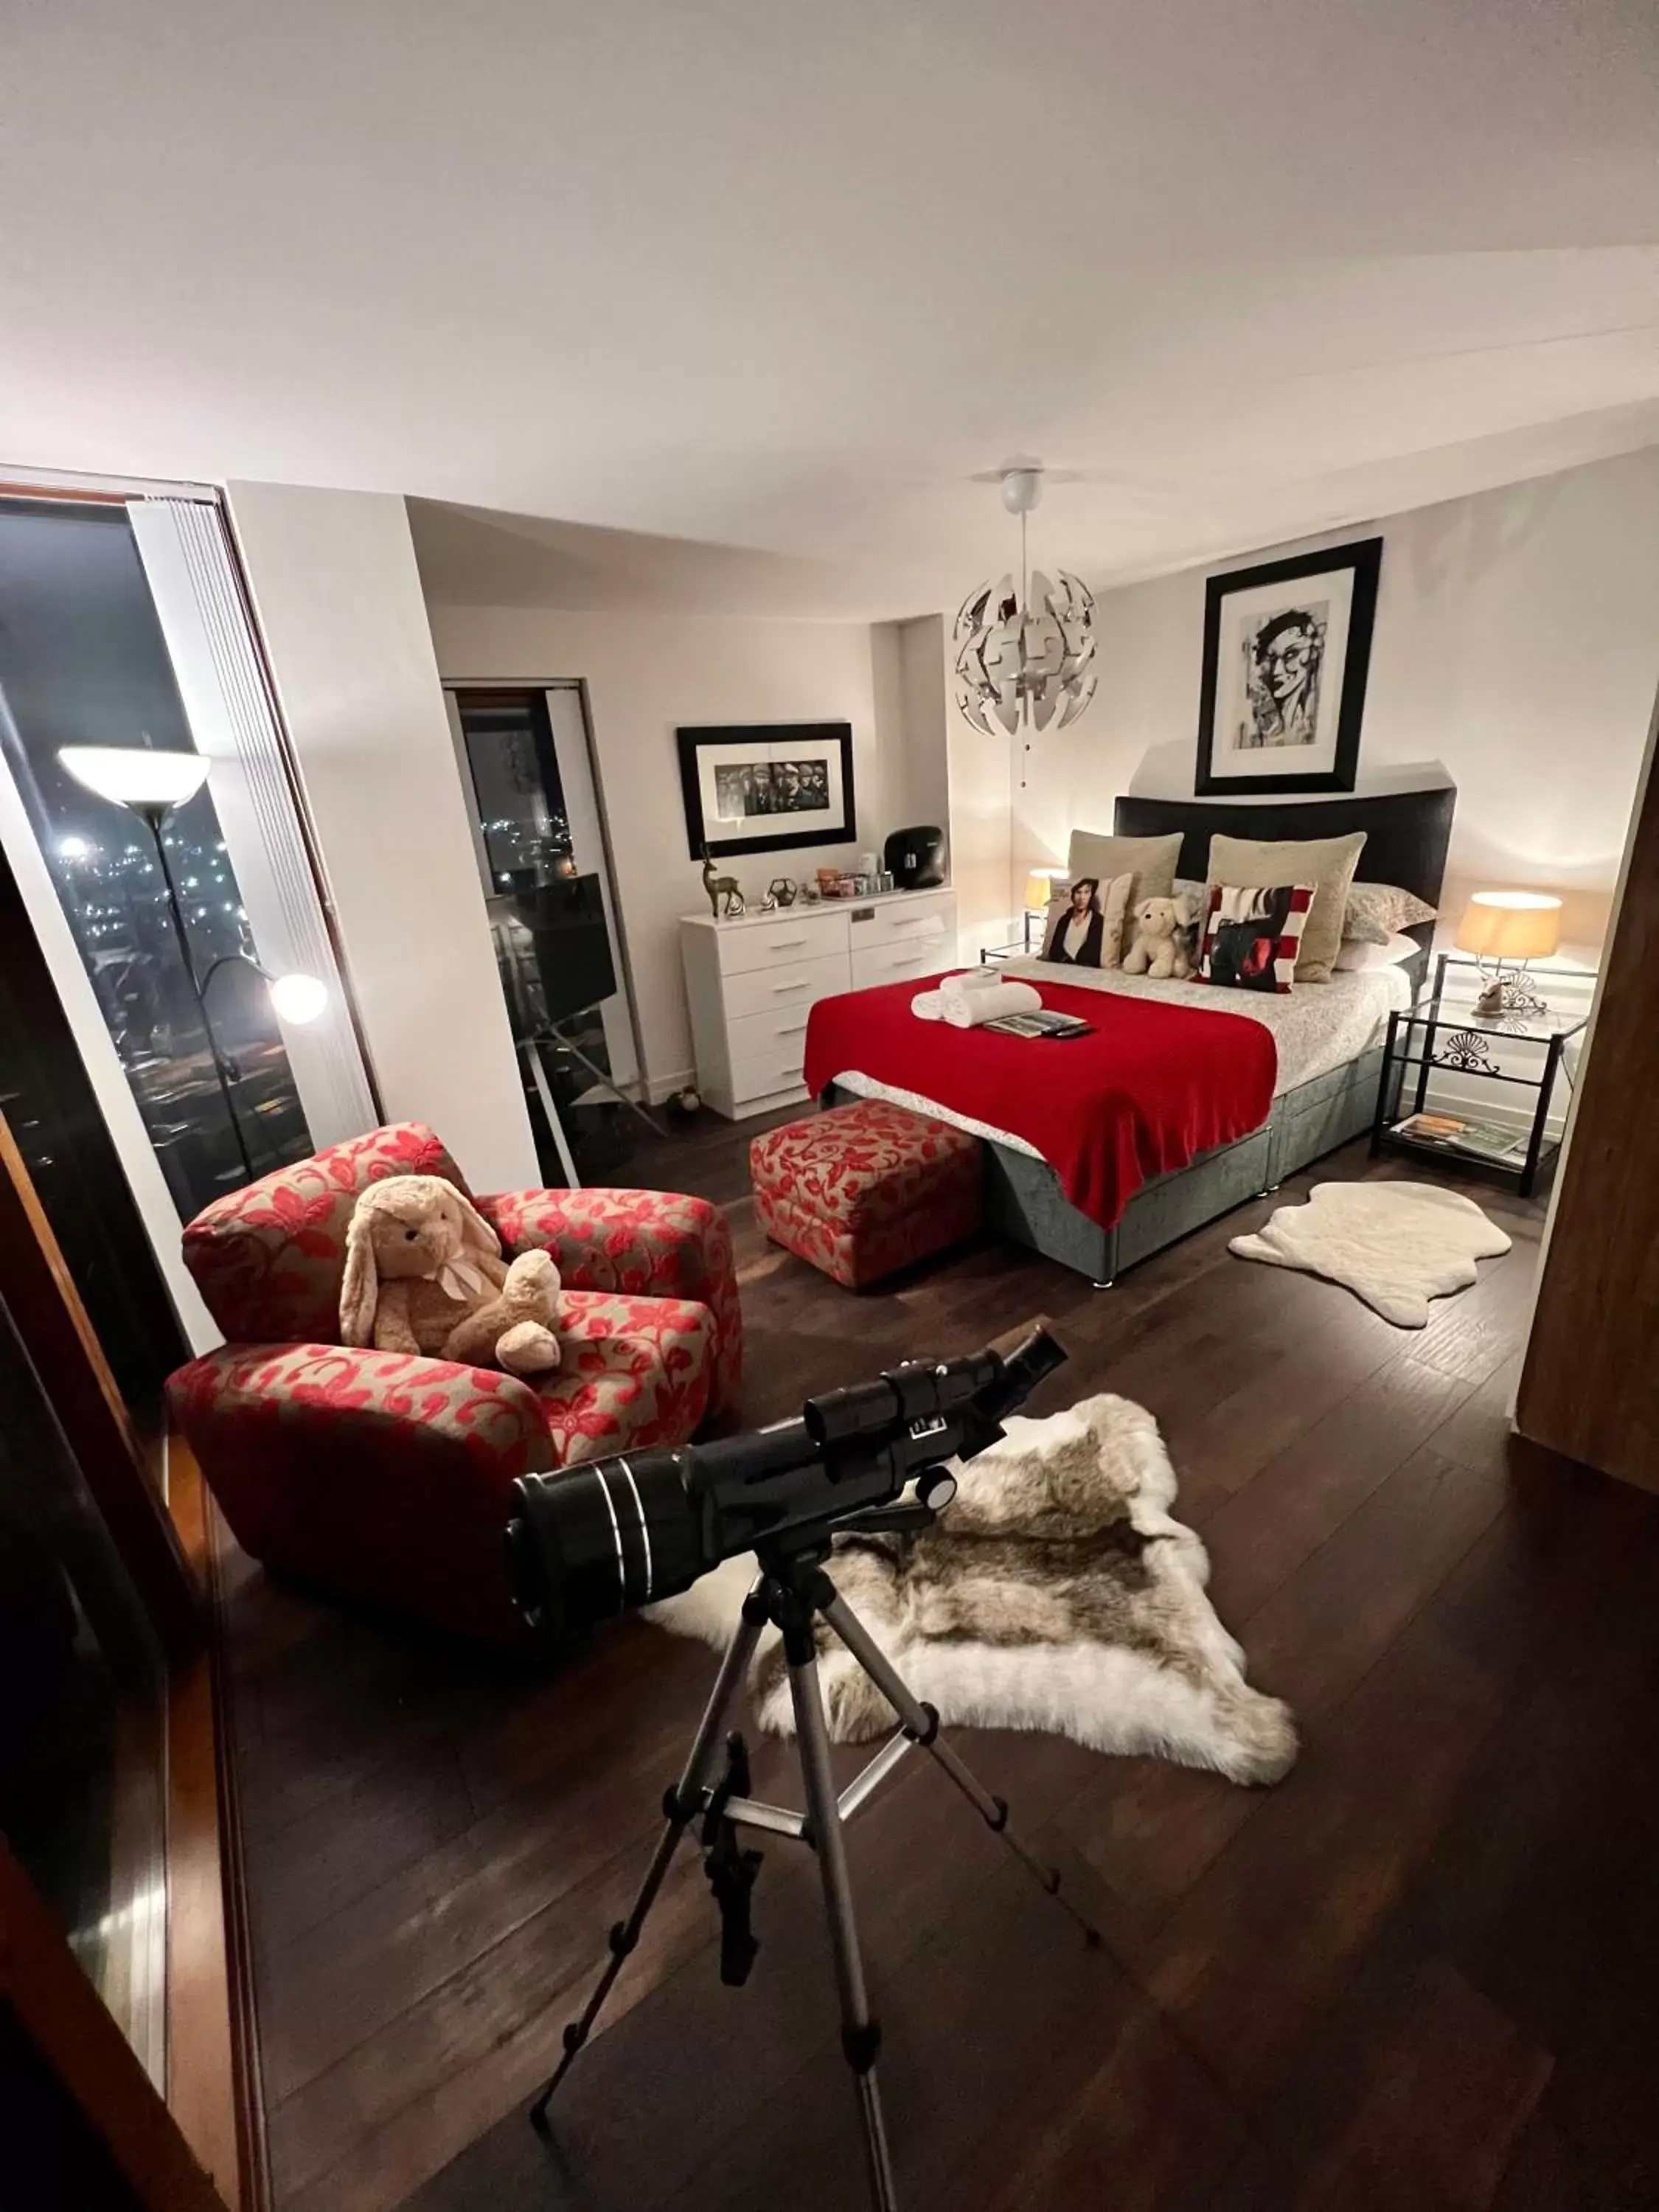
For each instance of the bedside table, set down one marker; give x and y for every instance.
(1442, 1029)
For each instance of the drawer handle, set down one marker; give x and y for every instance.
(917, 922)
(783, 944)
(795, 983)
(793, 1029)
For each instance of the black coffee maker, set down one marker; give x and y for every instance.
(915, 858)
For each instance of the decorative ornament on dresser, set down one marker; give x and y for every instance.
(1024, 653)
(725, 892)
(1287, 647)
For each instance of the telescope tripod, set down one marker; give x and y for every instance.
(792, 1592)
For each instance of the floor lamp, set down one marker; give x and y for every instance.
(151, 784)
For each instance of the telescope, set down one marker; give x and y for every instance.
(591, 1542)
(594, 1541)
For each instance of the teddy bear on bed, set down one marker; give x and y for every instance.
(424, 1273)
(1159, 948)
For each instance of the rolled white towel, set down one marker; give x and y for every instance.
(974, 1007)
(970, 979)
(929, 1006)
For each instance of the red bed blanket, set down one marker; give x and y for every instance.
(1151, 1089)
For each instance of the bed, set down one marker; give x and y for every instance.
(1328, 1041)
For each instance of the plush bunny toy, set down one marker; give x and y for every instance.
(424, 1273)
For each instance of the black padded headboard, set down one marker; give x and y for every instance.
(1407, 832)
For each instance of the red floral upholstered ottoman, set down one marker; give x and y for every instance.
(865, 1190)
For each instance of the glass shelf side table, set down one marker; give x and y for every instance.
(1444, 1029)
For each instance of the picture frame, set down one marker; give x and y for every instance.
(1287, 649)
(767, 787)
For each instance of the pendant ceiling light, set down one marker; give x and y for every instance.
(1024, 654)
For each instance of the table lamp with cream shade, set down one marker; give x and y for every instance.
(1508, 929)
(1041, 885)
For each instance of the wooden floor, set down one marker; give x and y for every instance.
(1422, 1973)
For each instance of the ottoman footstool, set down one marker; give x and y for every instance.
(864, 1190)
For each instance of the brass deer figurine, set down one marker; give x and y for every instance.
(718, 888)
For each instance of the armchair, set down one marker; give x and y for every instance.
(385, 1477)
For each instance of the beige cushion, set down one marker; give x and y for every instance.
(1150, 861)
(1112, 899)
(1327, 863)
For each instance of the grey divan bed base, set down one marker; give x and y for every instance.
(1023, 1200)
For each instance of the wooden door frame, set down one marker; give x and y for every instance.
(1589, 1383)
(44, 1988)
(163, 1531)
(45, 1307)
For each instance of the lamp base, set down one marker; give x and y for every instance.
(1509, 991)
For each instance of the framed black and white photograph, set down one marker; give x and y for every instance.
(1287, 645)
(764, 787)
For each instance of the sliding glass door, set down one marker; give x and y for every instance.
(527, 764)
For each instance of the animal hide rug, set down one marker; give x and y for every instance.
(1055, 1593)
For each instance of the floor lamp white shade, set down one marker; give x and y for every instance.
(135, 775)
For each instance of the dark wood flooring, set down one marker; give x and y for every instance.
(1422, 1973)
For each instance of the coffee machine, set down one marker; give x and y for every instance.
(915, 858)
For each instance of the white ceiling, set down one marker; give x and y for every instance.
(779, 278)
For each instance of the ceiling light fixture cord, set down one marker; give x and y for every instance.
(1024, 618)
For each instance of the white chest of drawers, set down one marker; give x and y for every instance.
(752, 983)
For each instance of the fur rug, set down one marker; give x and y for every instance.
(1397, 1244)
(1056, 1593)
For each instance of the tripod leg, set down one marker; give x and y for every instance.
(860, 2037)
(681, 1806)
(921, 1723)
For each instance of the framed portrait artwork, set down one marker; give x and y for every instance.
(1287, 649)
(763, 788)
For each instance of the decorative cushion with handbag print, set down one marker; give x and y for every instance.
(1252, 935)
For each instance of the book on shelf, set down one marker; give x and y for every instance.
(1480, 1140)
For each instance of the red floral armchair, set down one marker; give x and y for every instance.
(385, 1477)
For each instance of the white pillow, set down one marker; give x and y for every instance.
(1374, 909)
(1356, 954)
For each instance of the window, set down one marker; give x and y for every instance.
(83, 662)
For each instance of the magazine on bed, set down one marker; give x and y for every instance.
(1040, 1024)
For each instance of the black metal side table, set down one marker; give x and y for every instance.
(1444, 1029)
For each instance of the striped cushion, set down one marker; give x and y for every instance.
(1252, 936)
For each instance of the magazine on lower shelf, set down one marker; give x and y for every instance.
(1480, 1140)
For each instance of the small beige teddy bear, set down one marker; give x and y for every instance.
(1157, 950)
(424, 1273)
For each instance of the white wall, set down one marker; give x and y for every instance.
(646, 675)
(338, 601)
(1516, 640)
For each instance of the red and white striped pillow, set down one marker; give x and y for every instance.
(1252, 936)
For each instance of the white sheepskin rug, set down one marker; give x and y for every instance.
(1397, 1244)
(1055, 1593)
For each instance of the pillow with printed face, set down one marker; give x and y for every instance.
(1085, 929)
(1252, 935)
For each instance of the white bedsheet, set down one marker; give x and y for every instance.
(1316, 1027)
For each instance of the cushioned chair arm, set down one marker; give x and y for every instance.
(382, 1476)
(643, 1243)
